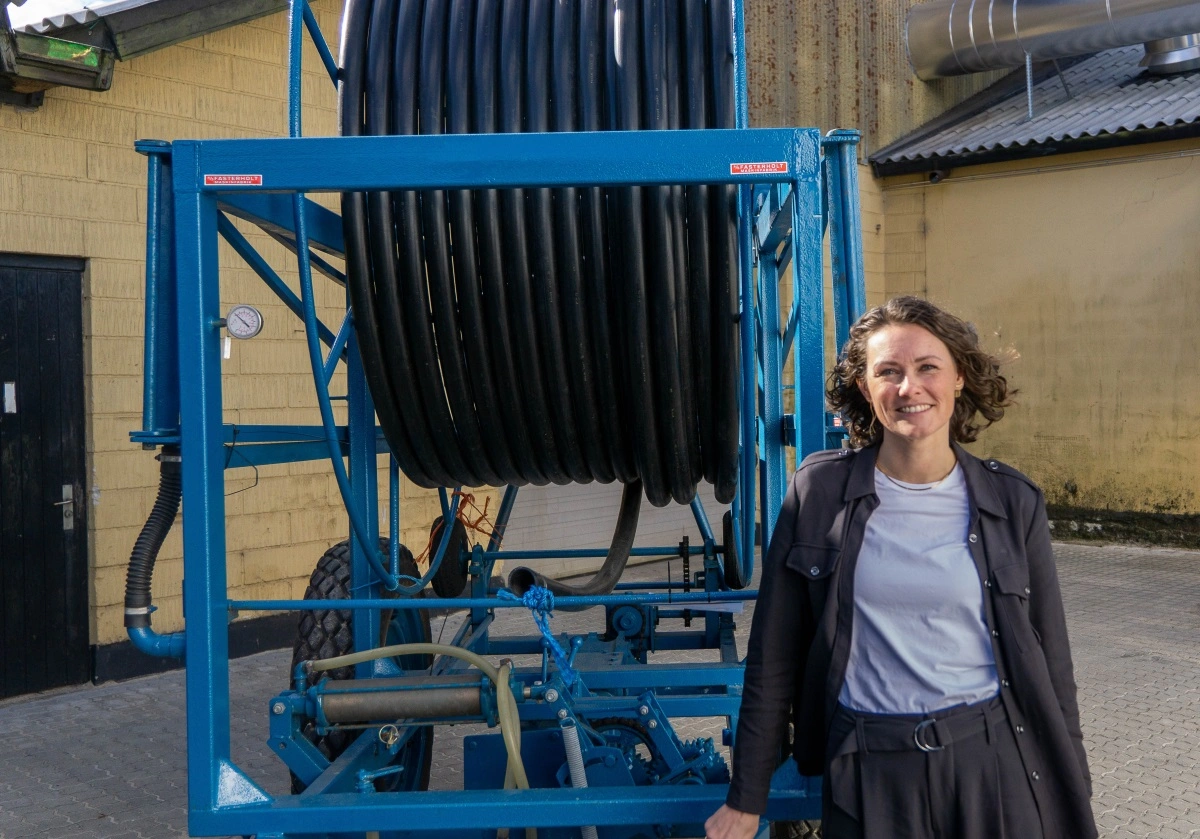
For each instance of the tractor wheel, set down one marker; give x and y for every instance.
(329, 633)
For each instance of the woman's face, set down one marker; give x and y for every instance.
(910, 382)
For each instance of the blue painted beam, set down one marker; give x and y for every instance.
(582, 601)
(774, 222)
(273, 213)
(473, 809)
(463, 161)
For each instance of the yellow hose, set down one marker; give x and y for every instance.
(506, 702)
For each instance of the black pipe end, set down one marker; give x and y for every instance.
(522, 580)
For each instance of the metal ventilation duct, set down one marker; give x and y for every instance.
(1172, 55)
(955, 37)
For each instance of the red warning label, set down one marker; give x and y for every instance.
(233, 180)
(774, 167)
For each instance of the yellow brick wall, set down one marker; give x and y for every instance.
(72, 185)
(904, 257)
(1097, 294)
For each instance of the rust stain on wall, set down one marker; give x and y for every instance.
(842, 65)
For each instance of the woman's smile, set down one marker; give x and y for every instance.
(911, 382)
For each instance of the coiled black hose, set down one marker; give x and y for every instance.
(150, 540)
(546, 335)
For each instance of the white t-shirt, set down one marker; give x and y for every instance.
(920, 640)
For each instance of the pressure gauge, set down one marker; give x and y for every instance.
(244, 321)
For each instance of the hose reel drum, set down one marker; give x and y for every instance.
(547, 336)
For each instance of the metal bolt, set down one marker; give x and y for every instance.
(645, 709)
(278, 708)
(562, 713)
(552, 695)
(652, 724)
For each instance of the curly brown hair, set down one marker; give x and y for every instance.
(985, 392)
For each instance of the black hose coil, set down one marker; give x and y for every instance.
(546, 335)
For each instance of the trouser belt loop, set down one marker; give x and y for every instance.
(860, 733)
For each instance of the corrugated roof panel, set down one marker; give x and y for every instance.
(1110, 93)
(41, 16)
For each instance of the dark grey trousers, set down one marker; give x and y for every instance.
(967, 783)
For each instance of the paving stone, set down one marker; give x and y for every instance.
(109, 762)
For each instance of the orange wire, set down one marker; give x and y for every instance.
(481, 524)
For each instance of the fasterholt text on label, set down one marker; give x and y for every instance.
(773, 167)
(233, 180)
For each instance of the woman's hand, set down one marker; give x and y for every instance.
(728, 823)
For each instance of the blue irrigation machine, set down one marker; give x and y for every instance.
(594, 711)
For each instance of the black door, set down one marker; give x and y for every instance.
(43, 527)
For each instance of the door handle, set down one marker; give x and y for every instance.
(68, 506)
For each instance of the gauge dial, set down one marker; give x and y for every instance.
(244, 321)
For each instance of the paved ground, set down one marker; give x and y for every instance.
(107, 762)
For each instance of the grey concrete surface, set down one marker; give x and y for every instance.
(109, 762)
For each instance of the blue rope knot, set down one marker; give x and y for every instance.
(539, 599)
(540, 602)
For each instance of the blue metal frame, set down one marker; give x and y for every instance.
(794, 185)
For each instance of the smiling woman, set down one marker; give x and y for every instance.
(909, 615)
(909, 324)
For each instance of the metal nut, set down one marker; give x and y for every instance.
(552, 695)
(562, 713)
(645, 709)
(278, 708)
(652, 724)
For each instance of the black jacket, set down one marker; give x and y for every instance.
(800, 636)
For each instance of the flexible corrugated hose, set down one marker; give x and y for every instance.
(145, 550)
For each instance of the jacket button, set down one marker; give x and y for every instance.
(814, 570)
(1020, 729)
(1035, 776)
(995, 634)
(1027, 589)
(987, 583)
(1004, 683)
(843, 452)
(993, 465)
(972, 538)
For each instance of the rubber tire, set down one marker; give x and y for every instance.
(327, 633)
(451, 577)
(733, 565)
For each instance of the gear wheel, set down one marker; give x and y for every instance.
(633, 739)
